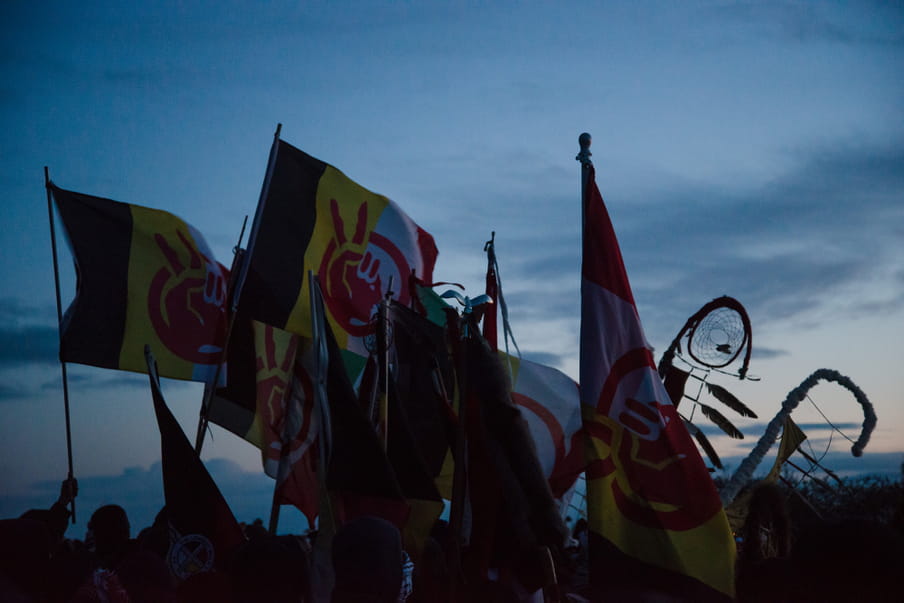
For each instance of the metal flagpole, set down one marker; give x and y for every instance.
(59, 305)
(237, 282)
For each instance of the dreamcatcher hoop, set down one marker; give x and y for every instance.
(717, 338)
(716, 334)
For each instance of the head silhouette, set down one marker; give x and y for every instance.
(108, 533)
(367, 561)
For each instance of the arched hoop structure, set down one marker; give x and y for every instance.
(749, 464)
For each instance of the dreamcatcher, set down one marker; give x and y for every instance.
(716, 335)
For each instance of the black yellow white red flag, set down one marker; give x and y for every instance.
(656, 522)
(314, 218)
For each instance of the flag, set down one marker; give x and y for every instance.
(285, 426)
(656, 522)
(792, 438)
(143, 277)
(359, 475)
(203, 530)
(549, 400)
(418, 427)
(423, 379)
(313, 217)
(513, 517)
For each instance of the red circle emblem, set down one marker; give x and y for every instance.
(357, 270)
(660, 480)
(187, 302)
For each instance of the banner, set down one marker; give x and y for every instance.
(313, 217)
(550, 402)
(203, 531)
(656, 521)
(143, 277)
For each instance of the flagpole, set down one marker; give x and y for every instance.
(383, 336)
(583, 156)
(237, 282)
(59, 305)
(490, 288)
(460, 469)
(584, 141)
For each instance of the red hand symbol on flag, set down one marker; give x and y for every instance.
(650, 452)
(188, 310)
(356, 270)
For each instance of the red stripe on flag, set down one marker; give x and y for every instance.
(602, 261)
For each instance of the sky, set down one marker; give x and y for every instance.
(750, 149)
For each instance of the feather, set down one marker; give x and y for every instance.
(721, 422)
(704, 443)
(728, 399)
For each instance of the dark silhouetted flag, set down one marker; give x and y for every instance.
(656, 522)
(359, 476)
(417, 426)
(144, 277)
(203, 530)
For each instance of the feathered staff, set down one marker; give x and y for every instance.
(749, 464)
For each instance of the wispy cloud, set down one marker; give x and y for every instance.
(761, 353)
(545, 358)
(754, 430)
(840, 463)
(808, 23)
(785, 247)
(28, 345)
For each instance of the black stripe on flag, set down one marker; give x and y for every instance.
(277, 263)
(100, 235)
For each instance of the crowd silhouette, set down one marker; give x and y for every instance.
(785, 553)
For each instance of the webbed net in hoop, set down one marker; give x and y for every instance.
(718, 338)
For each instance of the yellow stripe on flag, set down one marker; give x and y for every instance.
(699, 552)
(170, 299)
(347, 214)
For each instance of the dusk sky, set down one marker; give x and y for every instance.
(750, 149)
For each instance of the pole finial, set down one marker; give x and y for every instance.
(584, 141)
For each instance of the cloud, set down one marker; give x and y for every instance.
(26, 336)
(811, 23)
(26, 345)
(760, 353)
(840, 463)
(759, 427)
(545, 358)
(792, 246)
(785, 248)
(8, 392)
(14, 312)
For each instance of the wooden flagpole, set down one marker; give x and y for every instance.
(237, 282)
(59, 305)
